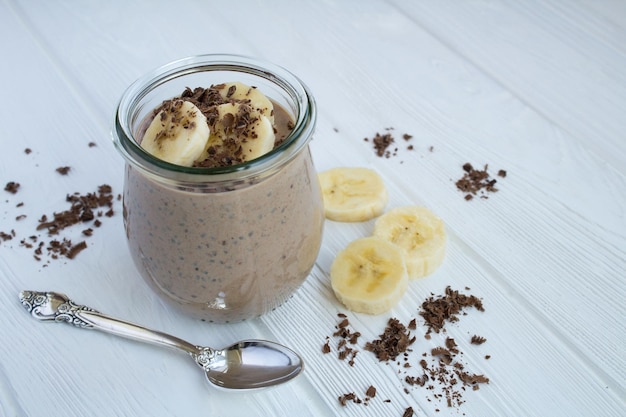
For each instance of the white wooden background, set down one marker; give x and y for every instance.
(535, 87)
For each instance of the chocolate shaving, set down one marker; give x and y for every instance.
(345, 398)
(395, 340)
(76, 249)
(448, 373)
(12, 187)
(346, 340)
(475, 181)
(420, 381)
(381, 144)
(478, 340)
(437, 310)
(412, 325)
(63, 247)
(81, 210)
(472, 379)
(441, 371)
(237, 127)
(384, 143)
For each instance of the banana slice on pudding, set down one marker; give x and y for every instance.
(241, 131)
(178, 134)
(238, 91)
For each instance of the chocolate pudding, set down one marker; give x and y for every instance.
(231, 240)
(226, 256)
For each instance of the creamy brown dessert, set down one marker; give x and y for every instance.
(227, 250)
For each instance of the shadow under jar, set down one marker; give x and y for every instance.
(223, 244)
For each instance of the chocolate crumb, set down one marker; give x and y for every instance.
(472, 379)
(477, 340)
(382, 143)
(351, 396)
(451, 345)
(437, 310)
(92, 144)
(27, 151)
(343, 399)
(395, 340)
(63, 170)
(346, 339)
(441, 371)
(408, 412)
(12, 187)
(477, 182)
(81, 211)
(76, 249)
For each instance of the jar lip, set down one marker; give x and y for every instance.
(130, 149)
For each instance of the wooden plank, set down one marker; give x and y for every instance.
(546, 252)
(568, 69)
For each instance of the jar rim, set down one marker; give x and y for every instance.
(298, 138)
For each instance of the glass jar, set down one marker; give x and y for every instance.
(229, 243)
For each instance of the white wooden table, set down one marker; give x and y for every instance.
(537, 88)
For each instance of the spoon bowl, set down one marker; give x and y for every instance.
(251, 364)
(245, 365)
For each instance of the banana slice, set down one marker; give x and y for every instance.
(239, 91)
(352, 194)
(369, 275)
(241, 131)
(178, 134)
(419, 233)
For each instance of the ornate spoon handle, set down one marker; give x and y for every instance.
(51, 306)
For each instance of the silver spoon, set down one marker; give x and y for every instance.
(247, 364)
